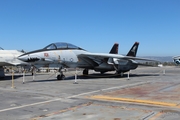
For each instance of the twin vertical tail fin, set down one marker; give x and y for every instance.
(114, 49)
(133, 51)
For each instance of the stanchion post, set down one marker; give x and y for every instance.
(23, 76)
(33, 75)
(75, 80)
(164, 71)
(12, 79)
(128, 75)
(33, 72)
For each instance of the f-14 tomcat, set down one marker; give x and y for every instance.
(66, 55)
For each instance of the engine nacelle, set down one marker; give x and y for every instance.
(104, 67)
(126, 66)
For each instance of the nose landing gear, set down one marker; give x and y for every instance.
(61, 76)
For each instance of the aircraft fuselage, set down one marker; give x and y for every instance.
(65, 57)
(9, 57)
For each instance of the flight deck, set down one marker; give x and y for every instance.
(149, 93)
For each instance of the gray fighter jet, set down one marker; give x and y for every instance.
(9, 58)
(66, 55)
(176, 60)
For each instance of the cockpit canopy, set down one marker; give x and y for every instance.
(61, 45)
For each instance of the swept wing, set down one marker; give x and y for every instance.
(102, 56)
(3, 63)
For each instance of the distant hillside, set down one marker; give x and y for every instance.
(161, 59)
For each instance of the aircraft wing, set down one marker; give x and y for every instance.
(3, 63)
(102, 56)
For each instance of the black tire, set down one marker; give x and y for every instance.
(102, 72)
(85, 72)
(59, 77)
(62, 77)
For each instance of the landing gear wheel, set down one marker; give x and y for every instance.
(122, 74)
(85, 72)
(102, 72)
(60, 77)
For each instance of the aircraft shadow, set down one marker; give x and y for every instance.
(48, 80)
(96, 76)
(9, 77)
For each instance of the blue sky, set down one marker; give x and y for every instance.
(94, 25)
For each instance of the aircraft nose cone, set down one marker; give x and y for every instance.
(29, 58)
(23, 58)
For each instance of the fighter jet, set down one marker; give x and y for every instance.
(9, 58)
(176, 60)
(66, 55)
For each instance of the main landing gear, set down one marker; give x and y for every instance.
(121, 73)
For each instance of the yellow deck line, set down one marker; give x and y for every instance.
(133, 100)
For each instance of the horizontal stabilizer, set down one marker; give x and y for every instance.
(13, 63)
